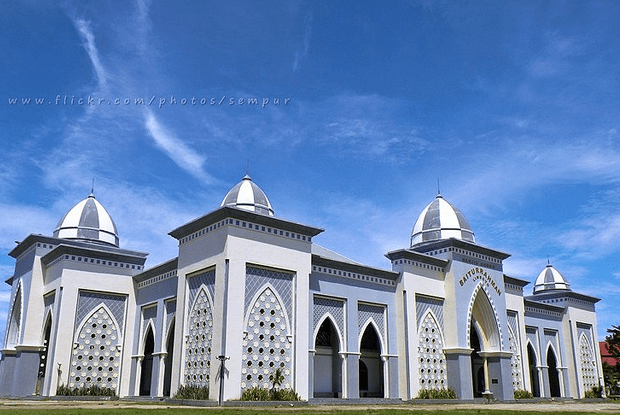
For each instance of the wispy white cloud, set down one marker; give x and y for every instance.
(301, 54)
(88, 41)
(185, 157)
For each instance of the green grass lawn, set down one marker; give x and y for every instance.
(161, 410)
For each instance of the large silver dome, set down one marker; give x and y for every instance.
(247, 195)
(89, 221)
(441, 220)
(550, 279)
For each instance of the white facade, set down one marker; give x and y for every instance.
(252, 292)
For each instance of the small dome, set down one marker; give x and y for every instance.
(550, 279)
(247, 195)
(441, 220)
(89, 221)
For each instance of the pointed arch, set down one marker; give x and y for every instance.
(371, 364)
(199, 340)
(429, 314)
(515, 360)
(48, 318)
(483, 312)
(149, 326)
(432, 362)
(332, 320)
(533, 363)
(94, 310)
(552, 369)
(267, 344)
(327, 361)
(148, 348)
(169, 348)
(371, 322)
(15, 321)
(45, 341)
(257, 296)
(169, 332)
(587, 364)
(96, 355)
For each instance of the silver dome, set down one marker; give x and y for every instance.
(89, 221)
(247, 195)
(550, 279)
(441, 220)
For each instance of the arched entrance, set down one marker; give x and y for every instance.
(554, 379)
(147, 364)
(327, 362)
(484, 339)
(168, 360)
(531, 358)
(370, 360)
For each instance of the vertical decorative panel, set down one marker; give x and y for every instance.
(433, 369)
(96, 355)
(199, 341)
(587, 363)
(267, 344)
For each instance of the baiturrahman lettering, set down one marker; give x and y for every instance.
(479, 274)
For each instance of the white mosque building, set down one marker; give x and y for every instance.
(251, 292)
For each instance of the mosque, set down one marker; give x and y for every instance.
(249, 292)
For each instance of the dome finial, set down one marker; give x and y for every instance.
(92, 188)
(438, 188)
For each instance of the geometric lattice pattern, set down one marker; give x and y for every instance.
(89, 300)
(199, 341)
(433, 372)
(330, 306)
(282, 282)
(515, 360)
(96, 359)
(588, 367)
(267, 345)
(425, 303)
(373, 313)
(195, 282)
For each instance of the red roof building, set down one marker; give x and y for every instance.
(606, 357)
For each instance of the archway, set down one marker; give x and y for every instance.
(327, 362)
(168, 360)
(370, 357)
(485, 340)
(147, 364)
(554, 379)
(531, 358)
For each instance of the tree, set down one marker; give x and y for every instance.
(611, 374)
(277, 378)
(613, 341)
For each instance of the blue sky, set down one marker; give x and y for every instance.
(513, 106)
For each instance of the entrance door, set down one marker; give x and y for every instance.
(168, 361)
(147, 364)
(531, 358)
(370, 359)
(327, 362)
(554, 380)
